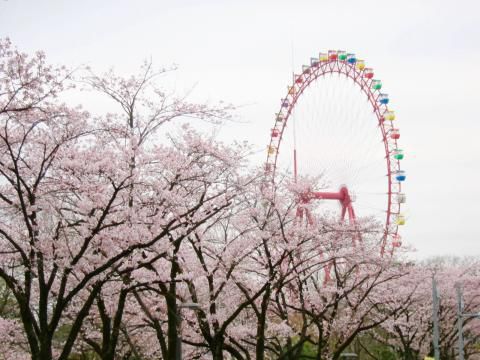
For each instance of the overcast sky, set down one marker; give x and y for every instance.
(427, 54)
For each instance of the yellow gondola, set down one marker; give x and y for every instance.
(390, 115)
(360, 64)
(400, 219)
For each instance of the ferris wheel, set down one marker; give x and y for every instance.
(335, 125)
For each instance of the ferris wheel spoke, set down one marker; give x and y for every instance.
(366, 194)
(376, 207)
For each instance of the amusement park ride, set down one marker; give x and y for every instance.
(360, 134)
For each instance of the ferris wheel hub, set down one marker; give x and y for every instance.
(343, 196)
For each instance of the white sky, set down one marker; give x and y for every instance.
(426, 53)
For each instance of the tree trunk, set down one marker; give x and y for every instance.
(217, 348)
(261, 326)
(172, 327)
(172, 309)
(45, 349)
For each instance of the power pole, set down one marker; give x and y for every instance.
(436, 334)
(461, 355)
(460, 316)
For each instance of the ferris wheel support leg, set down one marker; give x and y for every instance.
(309, 217)
(327, 268)
(353, 221)
(382, 249)
(299, 215)
(342, 216)
(351, 214)
(295, 165)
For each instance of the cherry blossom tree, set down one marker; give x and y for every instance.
(330, 310)
(84, 203)
(259, 275)
(242, 263)
(410, 333)
(232, 266)
(195, 170)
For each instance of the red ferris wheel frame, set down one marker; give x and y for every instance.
(363, 77)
